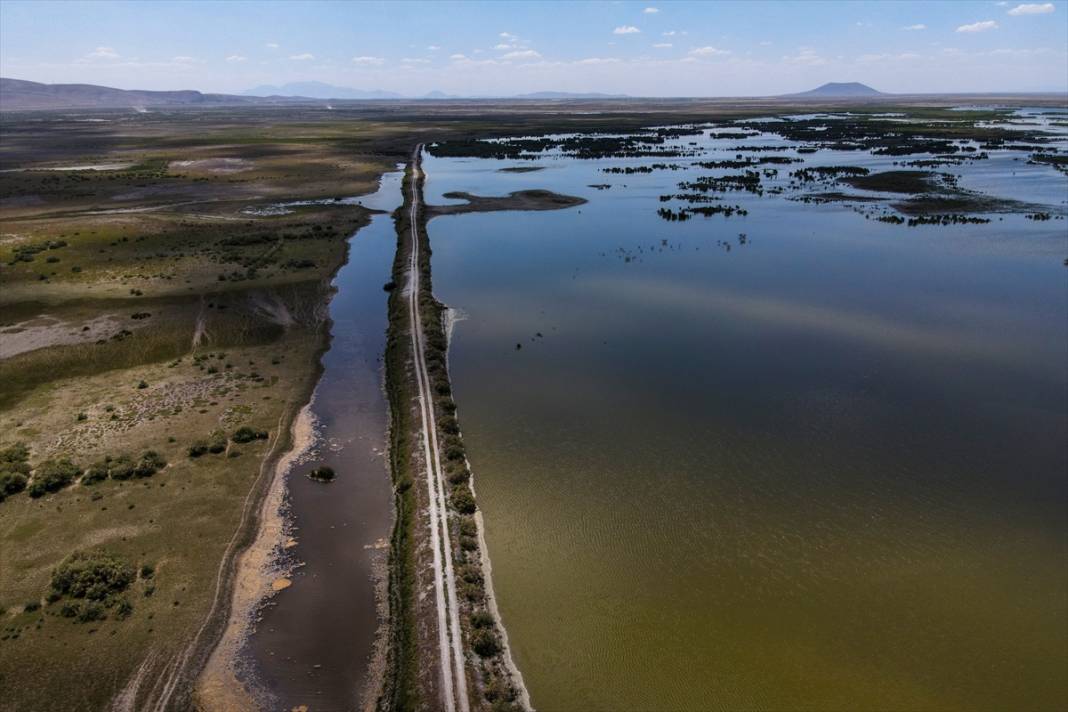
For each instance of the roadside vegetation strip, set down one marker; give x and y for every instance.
(480, 641)
(436, 512)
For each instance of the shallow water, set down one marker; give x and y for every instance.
(822, 469)
(313, 643)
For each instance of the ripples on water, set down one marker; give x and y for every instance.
(823, 469)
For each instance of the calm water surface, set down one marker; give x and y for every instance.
(822, 469)
(313, 643)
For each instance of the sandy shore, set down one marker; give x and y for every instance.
(258, 577)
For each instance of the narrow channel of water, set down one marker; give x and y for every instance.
(798, 459)
(314, 640)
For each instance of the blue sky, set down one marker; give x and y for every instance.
(638, 48)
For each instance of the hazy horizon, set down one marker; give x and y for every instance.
(501, 49)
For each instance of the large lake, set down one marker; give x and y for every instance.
(818, 466)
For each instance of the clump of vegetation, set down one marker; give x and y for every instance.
(246, 434)
(217, 442)
(14, 469)
(462, 500)
(96, 578)
(322, 474)
(52, 476)
(198, 448)
(484, 642)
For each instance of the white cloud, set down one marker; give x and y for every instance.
(368, 61)
(182, 59)
(669, 33)
(662, 45)
(1032, 8)
(272, 45)
(508, 36)
(457, 57)
(913, 28)
(982, 26)
(522, 54)
(236, 58)
(103, 53)
(503, 46)
(302, 57)
(651, 10)
(626, 30)
(598, 60)
(806, 56)
(708, 52)
(415, 60)
(433, 48)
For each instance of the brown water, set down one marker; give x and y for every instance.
(823, 469)
(314, 641)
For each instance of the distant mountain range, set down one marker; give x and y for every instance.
(20, 95)
(844, 90)
(319, 90)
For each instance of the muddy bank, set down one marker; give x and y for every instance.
(519, 200)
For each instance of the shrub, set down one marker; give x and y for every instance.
(97, 472)
(147, 571)
(481, 619)
(123, 609)
(217, 442)
(246, 434)
(468, 527)
(198, 448)
(449, 425)
(121, 468)
(31, 606)
(322, 474)
(11, 483)
(52, 476)
(459, 475)
(455, 453)
(17, 453)
(92, 611)
(92, 574)
(142, 384)
(462, 500)
(470, 574)
(484, 642)
(150, 463)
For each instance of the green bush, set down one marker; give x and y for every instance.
(52, 476)
(468, 543)
(92, 574)
(91, 611)
(458, 474)
(246, 434)
(481, 619)
(462, 500)
(468, 527)
(121, 468)
(198, 448)
(123, 609)
(217, 442)
(150, 463)
(11, 483)
(97, 472)
(484, 642)
(15, 453)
